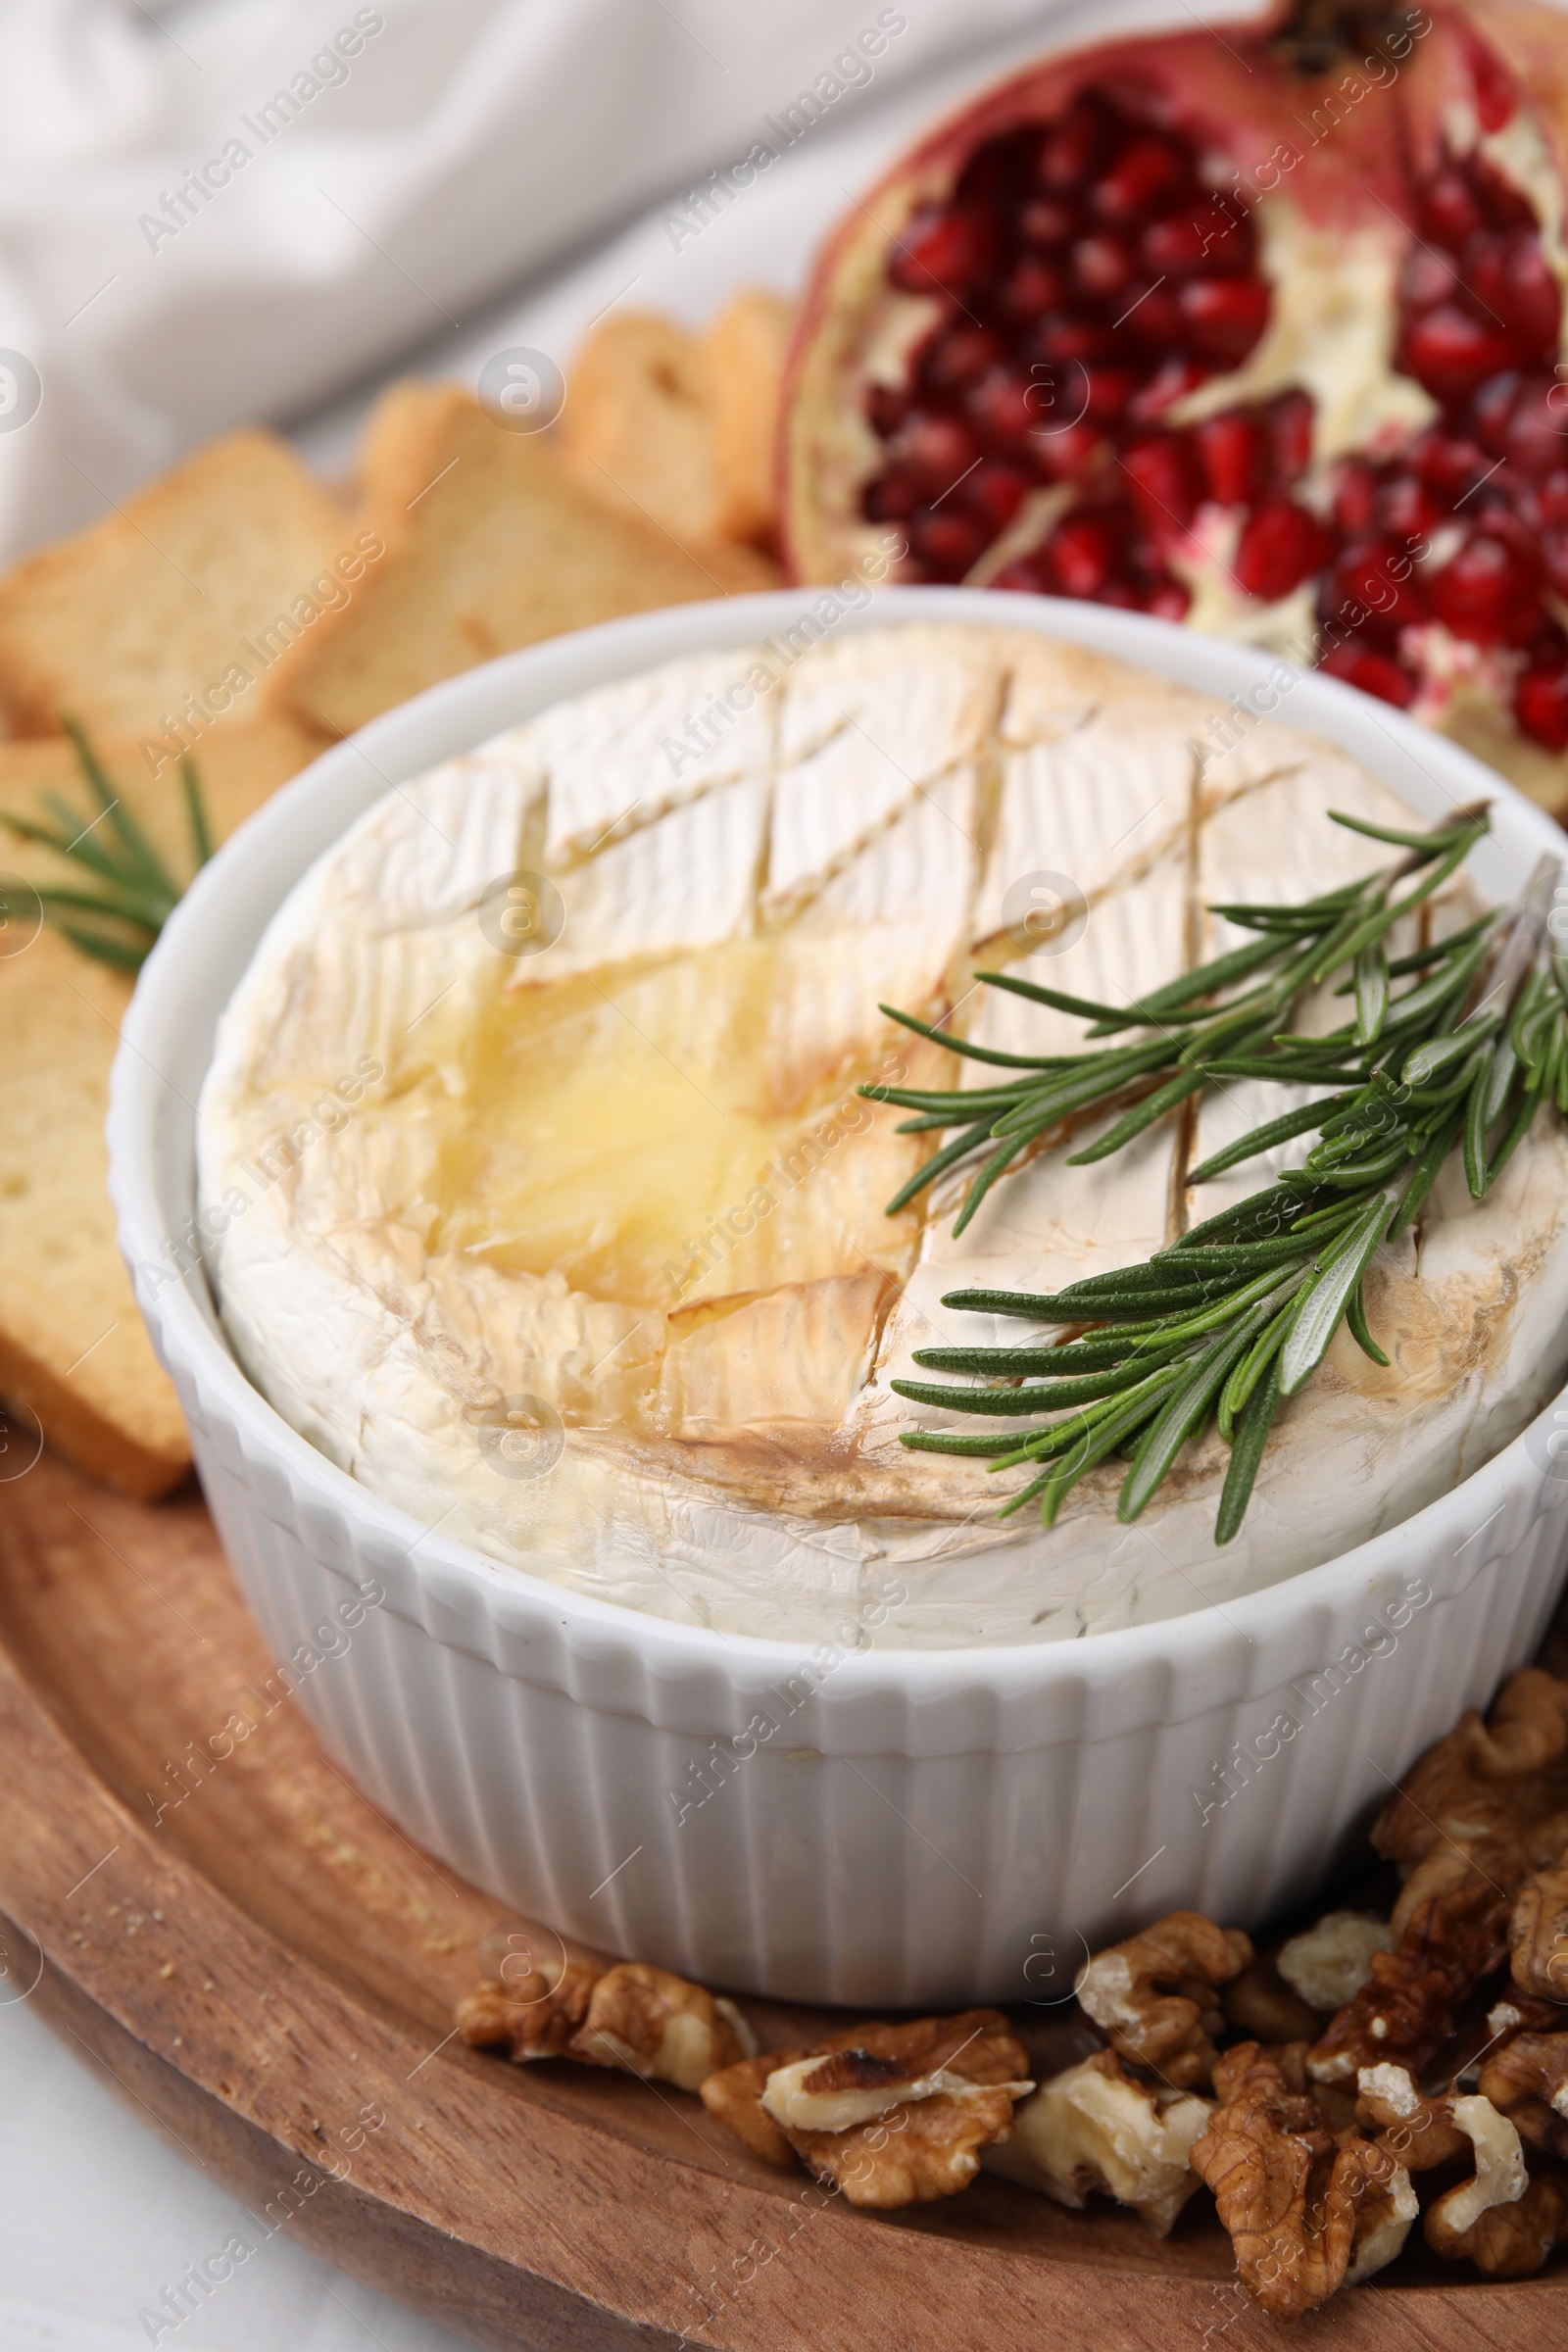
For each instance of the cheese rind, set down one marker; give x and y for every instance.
(622, 1191)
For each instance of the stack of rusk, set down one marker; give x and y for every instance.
(244, 612)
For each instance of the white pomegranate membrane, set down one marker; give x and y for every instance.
(1086, 254)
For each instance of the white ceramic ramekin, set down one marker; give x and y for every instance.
(879, 1826)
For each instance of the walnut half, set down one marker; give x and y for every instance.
(643, 2020)
(890, 2114)
(1153, 1995)
(1308, 2210)
(661, 2026)
(538, 2017)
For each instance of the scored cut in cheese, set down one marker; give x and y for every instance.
(621, 1194)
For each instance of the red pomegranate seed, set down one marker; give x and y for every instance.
(1281, 545)
(1449, 353)
(1496, 93)
(1372, 586)
(1108, 391)
(1171, 381)
(1494, 512)
(1031, 287)
(1448, 461)
(1062, 456)
(1232, 450)
(1372, 671)
(1505, 205)
(1166, 596)
(1005, 406)
(1020, 575)
(999, 170)
(1290, 419)
(1165, 479)
(888, 498)
(958, 354)
(887, 406)
(1406, 510)
(1536, 438)
(948, 541)
(934, 449)
(994, 492)
(1450, 208)
(1540, 707)
(1224, 316)
(1544, 645)
(1546, 502)
(1484, 593)
(1074, 148)
(1068, 339)
(1121, 593)
(1176, 247)
(1491, 408)
(1142, 179)
(1509, 282)
(1101, 263)
(944, 249)
(1048, 222)
(1079, 554)
(1429, 276)
(1552, 547)
(1152, 313)
(1356, 492)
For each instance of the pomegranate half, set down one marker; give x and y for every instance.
(1257, 326)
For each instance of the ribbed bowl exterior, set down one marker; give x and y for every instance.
(878, 1828)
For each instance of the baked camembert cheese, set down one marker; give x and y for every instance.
(538, 1195)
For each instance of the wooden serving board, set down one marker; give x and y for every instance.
(263, 1965)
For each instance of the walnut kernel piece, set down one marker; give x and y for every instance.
(1153, 1995)
(1410, 2003)
(1306, 2209)
(952, 2081)
(660, 2026)
(1330, 1963)
(1093, 2127)
(1489, 1797)
(917, 2151)
(1499, 2178)
(1420, 2131)
(734, 2098)
(1509, 2241)
(538, 2017)
(1526, 2081)
(1538, 1933)
(852, 2086)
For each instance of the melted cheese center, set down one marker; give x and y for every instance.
(634, 1132)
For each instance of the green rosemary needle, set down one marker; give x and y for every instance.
(135, 891)
(1238, 1314)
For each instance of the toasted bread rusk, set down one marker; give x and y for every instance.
(490, 545)
(74, 1351)
(157, 601)
(745, 351)
(638, 427)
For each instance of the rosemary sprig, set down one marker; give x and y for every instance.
(1238, 1314)
(136, 892)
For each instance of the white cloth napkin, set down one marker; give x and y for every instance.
(235, 209)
